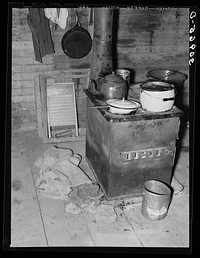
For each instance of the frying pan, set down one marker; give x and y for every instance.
(76, 42)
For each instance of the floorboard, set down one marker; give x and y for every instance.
(117, 233)
(39, 221)
(26, 222)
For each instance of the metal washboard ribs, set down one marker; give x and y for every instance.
(61, 105)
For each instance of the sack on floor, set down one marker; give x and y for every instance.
(59, 171)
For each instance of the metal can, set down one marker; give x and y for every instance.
(125, 74)
(156, 200)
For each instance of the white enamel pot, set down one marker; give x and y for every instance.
(157, 96)
(122, 106)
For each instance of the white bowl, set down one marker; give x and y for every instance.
(122, 106)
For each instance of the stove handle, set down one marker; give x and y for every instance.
(147, 154)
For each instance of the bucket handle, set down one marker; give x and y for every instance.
(164, 99)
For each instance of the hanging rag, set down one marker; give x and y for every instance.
(41, 33)
(52, 14)
(62, 20)
(58, 17)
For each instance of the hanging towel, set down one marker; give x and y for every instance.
(41, 33)
(52, 14)
(60, 19)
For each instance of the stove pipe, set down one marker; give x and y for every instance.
(101, 63)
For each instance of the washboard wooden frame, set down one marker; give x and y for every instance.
(44, 114)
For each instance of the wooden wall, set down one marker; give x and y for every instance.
(143, 39)
(148, 39)
(61, 60)
(25, 70)
(153, 39)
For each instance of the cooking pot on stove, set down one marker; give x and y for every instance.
(156, 96)
(170, 76)
(122, 106)
(111, 86)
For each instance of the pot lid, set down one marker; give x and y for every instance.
(122, 103)
(114, 78)
(156, 86)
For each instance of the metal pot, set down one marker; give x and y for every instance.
(166, 75)
(157, 96)
(170, 76)
(111, 86)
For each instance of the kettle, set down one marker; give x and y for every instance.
(111, 86)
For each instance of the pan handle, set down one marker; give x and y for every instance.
(77, 19)
(167, 99)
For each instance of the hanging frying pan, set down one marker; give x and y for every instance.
(76, 42)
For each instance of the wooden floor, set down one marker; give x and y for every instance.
(37, 221)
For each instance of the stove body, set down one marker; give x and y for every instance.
(124, 151)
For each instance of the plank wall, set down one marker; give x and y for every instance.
(143, 39)
(148, 39)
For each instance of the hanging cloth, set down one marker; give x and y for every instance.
(41, 33)
(52, 14)
(58, 18)
(62, 20)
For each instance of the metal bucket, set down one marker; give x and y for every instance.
(156, 200)
(125, 74)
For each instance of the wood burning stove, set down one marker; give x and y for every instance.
(124, 151)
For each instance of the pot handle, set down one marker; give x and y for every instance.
(164, 99)
(167, 99)
(133, 89)
(94, 87)
(173, 98)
